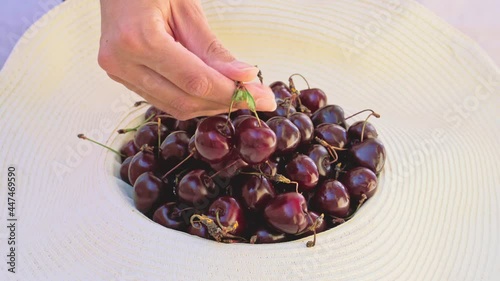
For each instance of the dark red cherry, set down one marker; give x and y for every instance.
(287, 134)
(332, 198)
(214, 138)
(174, 148)
(321, 157)
(169, 215)
(303, 170)
(305, 125)
(143, 161)
(200, 230)
(354, 132)
(147, 189)
(280, 90)
(370, 154)
(313, 99)
(124, 169)
(360, 181)
(263, 235)
(256, 192)
(287, 213)
(129, 149)
(229, 166)
(255, 141)
(230, 213)
(284, 108)
(333, 134)
(332, 114)
(322, 226)
(196, 189)
(147, 134)
(188, 126)
(237, 120)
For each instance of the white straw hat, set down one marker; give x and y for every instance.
(434, 217)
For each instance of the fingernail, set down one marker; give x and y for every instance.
(243, 66)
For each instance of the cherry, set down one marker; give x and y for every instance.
(313, 99)
(196, 188)
(124, 169)
(227, 211)
(359, 181)
(153, 113)
(174, 148)
(255, 141)
(256, 192)
(321, 157)
(332, 114)
(283, 108)
(287, 134)
(370, 154)
(333, 134)
(200, 231)
(214, 138)
(263, 235)
(169, 215)
(143, 161)
(188, 126)
(332, 198)
(129, 149)
(287, 213)
(230, 165)
(303, 170)
(316, 224)
(147, 189)
(305, 125)
(238, 119)
(147, 134)
(356, 129)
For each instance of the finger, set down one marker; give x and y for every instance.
(193, 32)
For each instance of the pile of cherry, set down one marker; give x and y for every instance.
(257, 177)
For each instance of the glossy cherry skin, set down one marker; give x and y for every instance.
(124, 169)
(169, 215)
(332, 198)
(255, 141)
(305, 125)
(370, 154)
(287, 134)
(360, 181)
(287, 213)
(354, 132)
(229, 166)
(147, 189)
(143, 161)
(256, 192)
(230, 213)
(332, 114)
(303, 170)
(148, 134)
(313, 216)
(321, 157)
(196, 189)
(129, 149)
(174, 148)
(313, 99)
(189, 126)
(263, 235)
(214, 138)
(200, 230)
(334, 135)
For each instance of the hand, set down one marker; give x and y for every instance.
(165, 51)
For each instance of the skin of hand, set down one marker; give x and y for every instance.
(165, 51)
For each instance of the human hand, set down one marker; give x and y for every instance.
(165, 51)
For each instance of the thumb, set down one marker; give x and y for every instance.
(191, 29)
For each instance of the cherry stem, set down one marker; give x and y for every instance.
(290, 80)
(83, 137)
(331, 149)
(363, 111)
(178, 212)
(218, 232)
(362, 200)
(364, 125)
(164, 177)
(316, 224)
(139, 103)
(127, 130)
(277, 178)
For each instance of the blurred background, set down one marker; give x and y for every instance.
(479, 19)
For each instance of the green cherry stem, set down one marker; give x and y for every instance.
(83, 137)
(127, 130)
